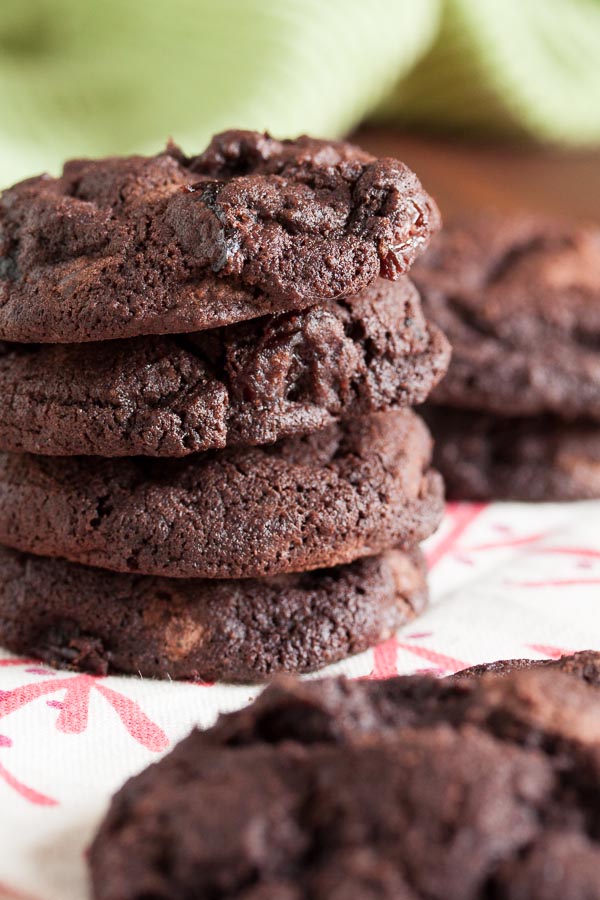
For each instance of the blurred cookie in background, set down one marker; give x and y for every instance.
(484, 457)
(518, 414)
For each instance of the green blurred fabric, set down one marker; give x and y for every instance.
(91, 77)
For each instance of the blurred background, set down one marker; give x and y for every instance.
(505, 77)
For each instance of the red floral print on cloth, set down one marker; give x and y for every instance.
(551, 652)
(9, 893)
(74, 707)
(14, 661)
(463, 515)
(27, 793)
(385, 659)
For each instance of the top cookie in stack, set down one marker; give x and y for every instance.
(227, 305)
(168, 244)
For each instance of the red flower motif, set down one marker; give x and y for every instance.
(462, 516)
(548, 650)
(9, 893)
(74, 707)
(26, 792)
(14, 661)
(385, 659)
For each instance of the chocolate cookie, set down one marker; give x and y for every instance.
(584, 665)
(121, 247)
(101, 622)
(351, 490)
(519, 299)
(492, 458)
(410, 789)
(245, 384)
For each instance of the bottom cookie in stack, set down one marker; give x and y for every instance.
(235, 630)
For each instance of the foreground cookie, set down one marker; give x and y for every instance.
(121, 247)
(492, 458)
(250, 383)
(102, 622)
(519, 300)
(461, 789)
(351, 490)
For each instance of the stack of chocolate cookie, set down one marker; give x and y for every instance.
(518, 415)
(210, 468)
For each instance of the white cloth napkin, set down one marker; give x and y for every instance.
(507, 580)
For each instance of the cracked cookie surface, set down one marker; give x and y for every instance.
(245, 384)
(413, 788)
(102, 622)
(350, 490)
(121, 247)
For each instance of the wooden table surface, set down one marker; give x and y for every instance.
(477, 175)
